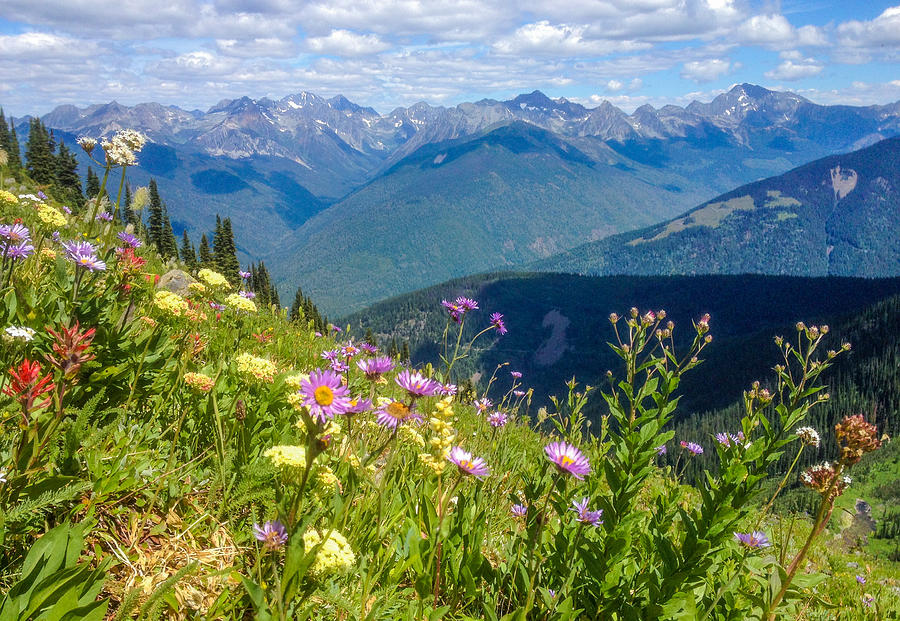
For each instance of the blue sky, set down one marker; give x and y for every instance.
(388, 53)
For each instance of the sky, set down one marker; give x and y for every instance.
(389, 53)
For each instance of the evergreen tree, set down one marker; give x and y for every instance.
(187, 252)
(68, 182)
(404, 353)
(39, 153)
(218, 245)
(168, 243)
(155, 231)
(226, 253)
(7, 144)
(297, 307)
(394, 351)
(128, 215)
(273, 296)
(205, 256)
(370, 338)
(92, 185)
(15, 156)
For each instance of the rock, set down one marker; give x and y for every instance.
(176, 281)
(852, 565)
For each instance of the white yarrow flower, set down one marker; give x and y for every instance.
(17, 332)
(809, 436)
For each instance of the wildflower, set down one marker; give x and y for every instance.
(585, 515)
(868, 600)
(27, 386)
(330, 355)
(856, 438)
(416, 384)
(474, 466)
(84, 255)
(823, 479)
(861, 579)
(87, 143)
(449, 389)
(497, 322)
(287, 457)
(519, 393)
(243, 274)
(240, 303)
(296, 381)
(358, 405)
(519, 511)
(661, 450)
(196, 287)
(199, 381)
(15, 233)
(104, 216)
(247, 294)
(516, 374)
(809, 436)
(273, 534)
(339, 366)
(393, 413)
(255, 367)
(408, 435)
(568, 459)
(8, 197)
(497, 419)
(70, 348)
(216, 307)
(18, 252)
(459, 308)
(324, 395)
(755, 540)
(51, 217)
(369, 348)
(726, 439)
(333, 556)
(2, 475)
(349, 350)
(129, 240)
(373, 368)
(213, 279)
(692, 447)
(483, 404)
(15, 332)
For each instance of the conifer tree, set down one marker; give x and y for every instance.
(297, 307)
(205, 256)
(39, 154)
(15, 156)
(394, 351)
(155, 231)
(226, 253)
(128, 216)
(13, 162)
(168, 243)
(92, 184)
(188, 255)
(273, 296)
(370, 338)
(68, 183)
(404, 353)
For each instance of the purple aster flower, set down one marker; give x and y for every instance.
(568, 459)
(861, 579)
(84, 255)
(215, 306)
(755, 540)
(247, 294)
(244, 275)
(497, 419)
(331, 355)
(129, 240)
(324, 395)
(369, 348)
(661, 450)
(67, 211)
(692, 447)
(318, 335)
(449, 389)
(339, 366)
(482, 405)
(585, 515)
(519, 511)
(416, 384)
(452, 309)
(519, 393)
(727, 439)
(467, 464)
(349, 350)
(105, 216)
(18, 252)
(56, 236)
(373, 368)
(335, 329)
(868, 600)
(466, 304)
(15, 232)
(459, 307)
(273, 534)
(552, 593)
(497, 322)
(358, 405)
(516, 374)
(394, 413)
(41, 195)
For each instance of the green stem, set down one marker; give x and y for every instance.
(115, 214)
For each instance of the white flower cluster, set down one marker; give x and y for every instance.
(121, 149)
(16, 332)
(809, 436)
(87, 143)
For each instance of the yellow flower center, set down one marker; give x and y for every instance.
(566, 461)
(397, 410)
(465, 464)
(324, 395)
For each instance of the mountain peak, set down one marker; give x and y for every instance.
(534, 99)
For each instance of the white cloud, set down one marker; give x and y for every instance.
(614, 85)
(706, 70)
(548, 39)
(884, 30)
(795, 68)
(269, 47)
(346, 43)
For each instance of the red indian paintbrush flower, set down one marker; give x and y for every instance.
(27, 386)
(70, 349)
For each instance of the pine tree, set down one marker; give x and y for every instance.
(205, 256)
(370, 338)
(39, 153)
(297, 307)
(273, 296)
(15, 156)
(168, 244)
(92, 185)
(404, 353)
(155, 230)
(187, 252)
(10, 147)
(128, 216)
(226, 253)
(68, 183)
(394, 351)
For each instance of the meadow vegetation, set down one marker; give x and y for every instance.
(187, 452)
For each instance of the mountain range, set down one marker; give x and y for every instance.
(473, 187)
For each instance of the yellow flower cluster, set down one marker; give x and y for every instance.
(287, 457)
(199, 381)
(325, 484)
(196, 287)
(51, 216)
(295, 399)
(213, 279)
(408, 435)
(241, 303)
(170, 303)
(48, 253)
(258, 368)
(8, 197)
(442, 436)
(334, 557)
(296, 381)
